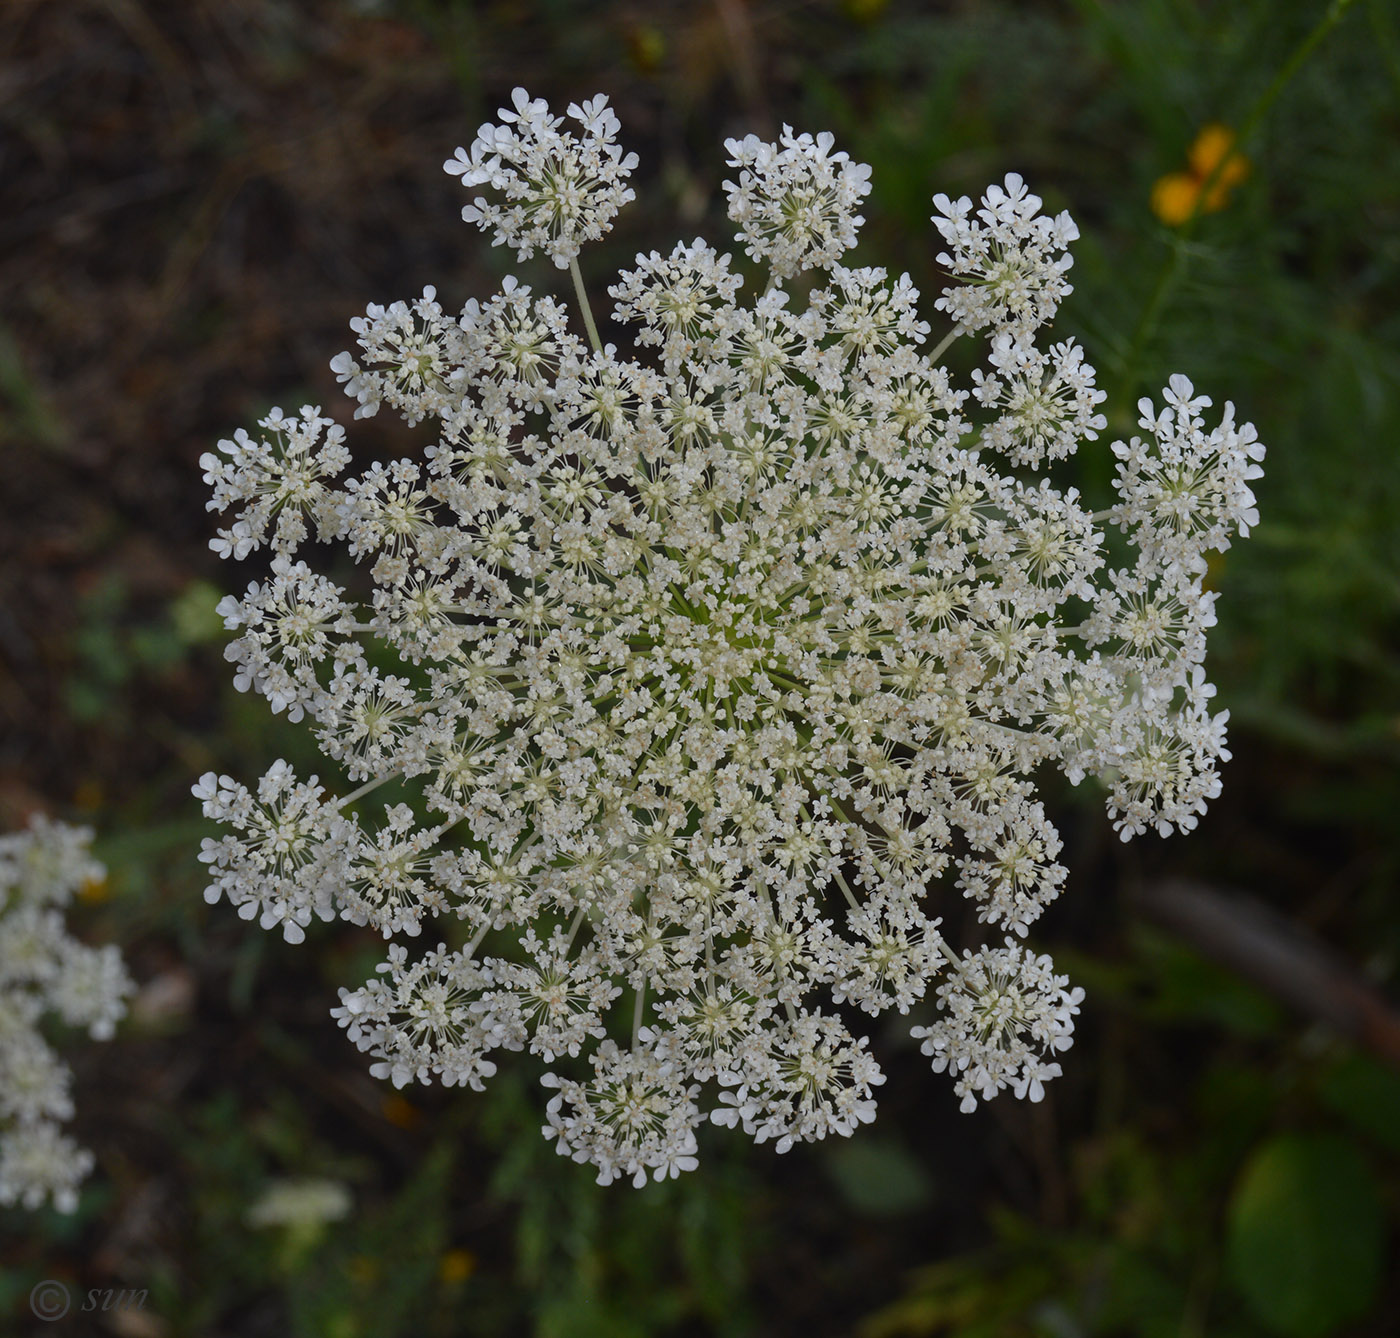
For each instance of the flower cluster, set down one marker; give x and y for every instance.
(691, 672)
(45, 971)
(795, 201)
(1004, 1011)
(560, 188)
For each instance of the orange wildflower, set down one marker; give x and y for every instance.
(456, 1266)
(1177, 196)
(94, 889)
(398, 1111)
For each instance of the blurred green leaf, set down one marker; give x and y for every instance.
(877, 1176)
(1183, 986)
(1367, 1095)
(1306, 1233)
(193, 615)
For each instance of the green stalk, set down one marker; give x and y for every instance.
(1175, 267)
(584, 307)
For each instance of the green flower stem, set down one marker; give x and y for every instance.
(638, 1012)
(584, 307)
(1175, 267)
(367, 788)
(944, 345)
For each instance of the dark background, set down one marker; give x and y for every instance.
(198, 195)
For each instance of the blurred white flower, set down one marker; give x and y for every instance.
(300, 1203)
(45, 972)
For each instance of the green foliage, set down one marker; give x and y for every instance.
(110, 652)
(1306, 1234)
(1365, 1095)
(1182, 986)
(618, 1265)
(878, 1176)
(1229, 1229)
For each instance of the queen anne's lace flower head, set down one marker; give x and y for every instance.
(43, 970)
(561, 188)
(410, 350)
(275, 478)
(795, 201)
(1004, 1012)
(1014, 258)
(636, 1114)
(420, 1022)
(1187, 492)
(699, 663)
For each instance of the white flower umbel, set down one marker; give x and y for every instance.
(795, 201)
(560, 188)
(1004, 1010)
(700, 667)
(45, 972)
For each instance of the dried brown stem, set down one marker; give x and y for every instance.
(1278, 955)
